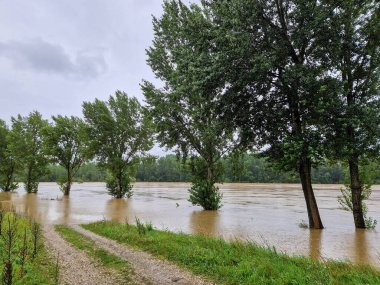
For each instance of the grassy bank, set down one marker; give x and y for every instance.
(103, 257)
(24, 259)
(234, 262)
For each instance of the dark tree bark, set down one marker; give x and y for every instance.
(315, 221)
(118, 187)
(356, 194)
(9, 176)
(68, 184)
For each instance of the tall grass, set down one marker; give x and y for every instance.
(23, 258)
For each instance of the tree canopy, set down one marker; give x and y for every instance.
(26, 144)
(119, 137)
(66, 143)
(8, 164)
(186, 110)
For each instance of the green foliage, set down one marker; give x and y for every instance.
(88, 172)
(235, 262)
(26, 144)
(186, 110)
(167, 168)
(170, 169)
(26, 269)
(65, 142)
(345, 200)
(143, 228)
(119, 135)
(124, 189)
(276, 82)
(274, 75)
(205, 194)
(353, 119)
(238, 166)
(8, 165)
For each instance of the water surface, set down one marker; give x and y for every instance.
(265, 213)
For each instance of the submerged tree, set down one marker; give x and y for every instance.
(185, 110)
(26, 143)
(354, 121)
(65, 142)
(7, 161)
(119, 136)
(276, 80)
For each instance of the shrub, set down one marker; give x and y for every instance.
(205, 194)
(121, 188)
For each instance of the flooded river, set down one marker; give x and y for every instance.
(268, 214)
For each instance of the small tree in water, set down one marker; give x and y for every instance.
(7, 161)
(65, 142)
(186, 110)
(119, 136)
(203, 191)
(345, 200)
(122, 187)
(26, 143)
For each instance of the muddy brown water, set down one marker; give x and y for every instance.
(268, 214)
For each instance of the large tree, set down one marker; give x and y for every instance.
(276, 82)
(119, 136)
(65, 142)
(185, 110)
(354, 119)
(7, 161)
(26, 143)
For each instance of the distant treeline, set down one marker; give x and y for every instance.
(249, 168)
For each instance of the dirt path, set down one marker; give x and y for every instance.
(155, 270)
(76, 268)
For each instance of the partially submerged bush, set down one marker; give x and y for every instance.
(345, 202)
(121, 187)
(204, 193)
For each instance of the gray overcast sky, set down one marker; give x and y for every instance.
(56, 54)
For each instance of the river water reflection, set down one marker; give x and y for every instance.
(268, 214)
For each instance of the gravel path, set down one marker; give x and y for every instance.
(75, 267)
(152, 269)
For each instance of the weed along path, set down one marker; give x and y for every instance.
(75, 267)
(152, 269)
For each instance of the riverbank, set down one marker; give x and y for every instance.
(234, 262)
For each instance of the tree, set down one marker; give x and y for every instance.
(26, 143)
(354, 119)
(65, 143)
(276, 82)
(7, 161)
(185, 110)
(119, 136)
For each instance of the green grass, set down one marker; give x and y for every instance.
(87, 245)
(235, 262)
(37, 270)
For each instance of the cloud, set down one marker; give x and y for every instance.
(40, 56)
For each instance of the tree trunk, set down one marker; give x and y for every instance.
(67, 188)
(7, 187)
(29, 182)
(8, 183)
(118, 188)
(356, 194)
(68, 183)
(315, 221)
(210, 174)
